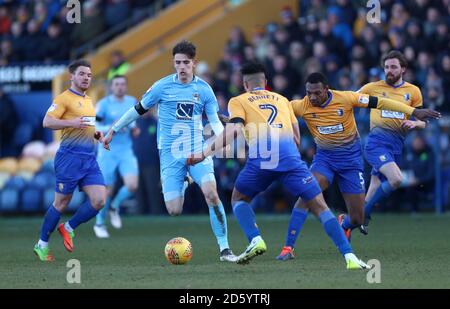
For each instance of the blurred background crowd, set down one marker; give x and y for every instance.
(331, 36)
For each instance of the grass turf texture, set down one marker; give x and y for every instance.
(413, 251)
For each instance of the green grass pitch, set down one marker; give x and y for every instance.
(414, 252)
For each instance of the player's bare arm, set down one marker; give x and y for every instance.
(388, 104)
(224, 139)
(58, 124)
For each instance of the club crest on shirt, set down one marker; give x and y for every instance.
(340, 112)
(196, 97)
(80, 104)
(407, 97)
(382, 158)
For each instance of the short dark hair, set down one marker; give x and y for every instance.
(119, 76)
(395, 54)
(253, 68)
(186, 48)
(317, 77)
(78, 63)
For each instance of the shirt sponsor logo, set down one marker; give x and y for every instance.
(331, 129)
(90, 120)
(52, 107)
(363, 99)
(60, 187)
(392, 115)
(185, 110)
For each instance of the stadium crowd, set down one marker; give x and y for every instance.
(332, 36)
(39, 30)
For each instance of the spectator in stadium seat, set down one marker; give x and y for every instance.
(6, 53)
(119, 65)
(290, 24)
(93, 24)
(55, 47)
(420, 162)
(33, 40)
(8, 124)
(18, 39)
(116, 11)
(5, 21)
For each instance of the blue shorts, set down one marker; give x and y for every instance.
(347, 165)
(123, 161)
(174, 170)
(299, 181)
(74, 169)
(379, 153)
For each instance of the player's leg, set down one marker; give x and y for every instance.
(128, 169)
(249, 183)
(93, 185)
(324, 176)
(67, 175)
(51, 220)
(333, 229)
(385, 166)
(173, 172)
(108, 165)
(302, 183)
(352, 186)
(203, 174)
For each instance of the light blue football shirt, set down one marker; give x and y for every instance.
(180, 110)
(109, 110)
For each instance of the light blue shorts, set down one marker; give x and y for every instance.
(174, 171)
(110, 162)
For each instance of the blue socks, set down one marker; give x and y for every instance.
(246, 219)
(83, 214)
(346, 224)
(383, 191)
(218, 220)
(51, 220)
(335, 232)
(298, 217)
(121, 196)
(100, 219)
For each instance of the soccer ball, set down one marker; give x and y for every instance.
(178, 250)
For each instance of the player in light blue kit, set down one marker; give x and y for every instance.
(121, 159)
(181, 99)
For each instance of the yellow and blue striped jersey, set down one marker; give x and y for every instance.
(262, 109)
(69, 105)
(405, 92)
(332, 124)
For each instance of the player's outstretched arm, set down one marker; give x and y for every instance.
(388, 104)
(131, 115)
(414, 124)
(58, 124)
(219, 142)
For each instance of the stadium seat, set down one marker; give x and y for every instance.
(16, 182)
(30, 165)
(43, 180)
(31, 199)
(34, 149)
(48, 197)
(9, 200)
(4, 177)
(8, 165)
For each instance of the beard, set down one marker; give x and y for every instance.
(392, 79)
